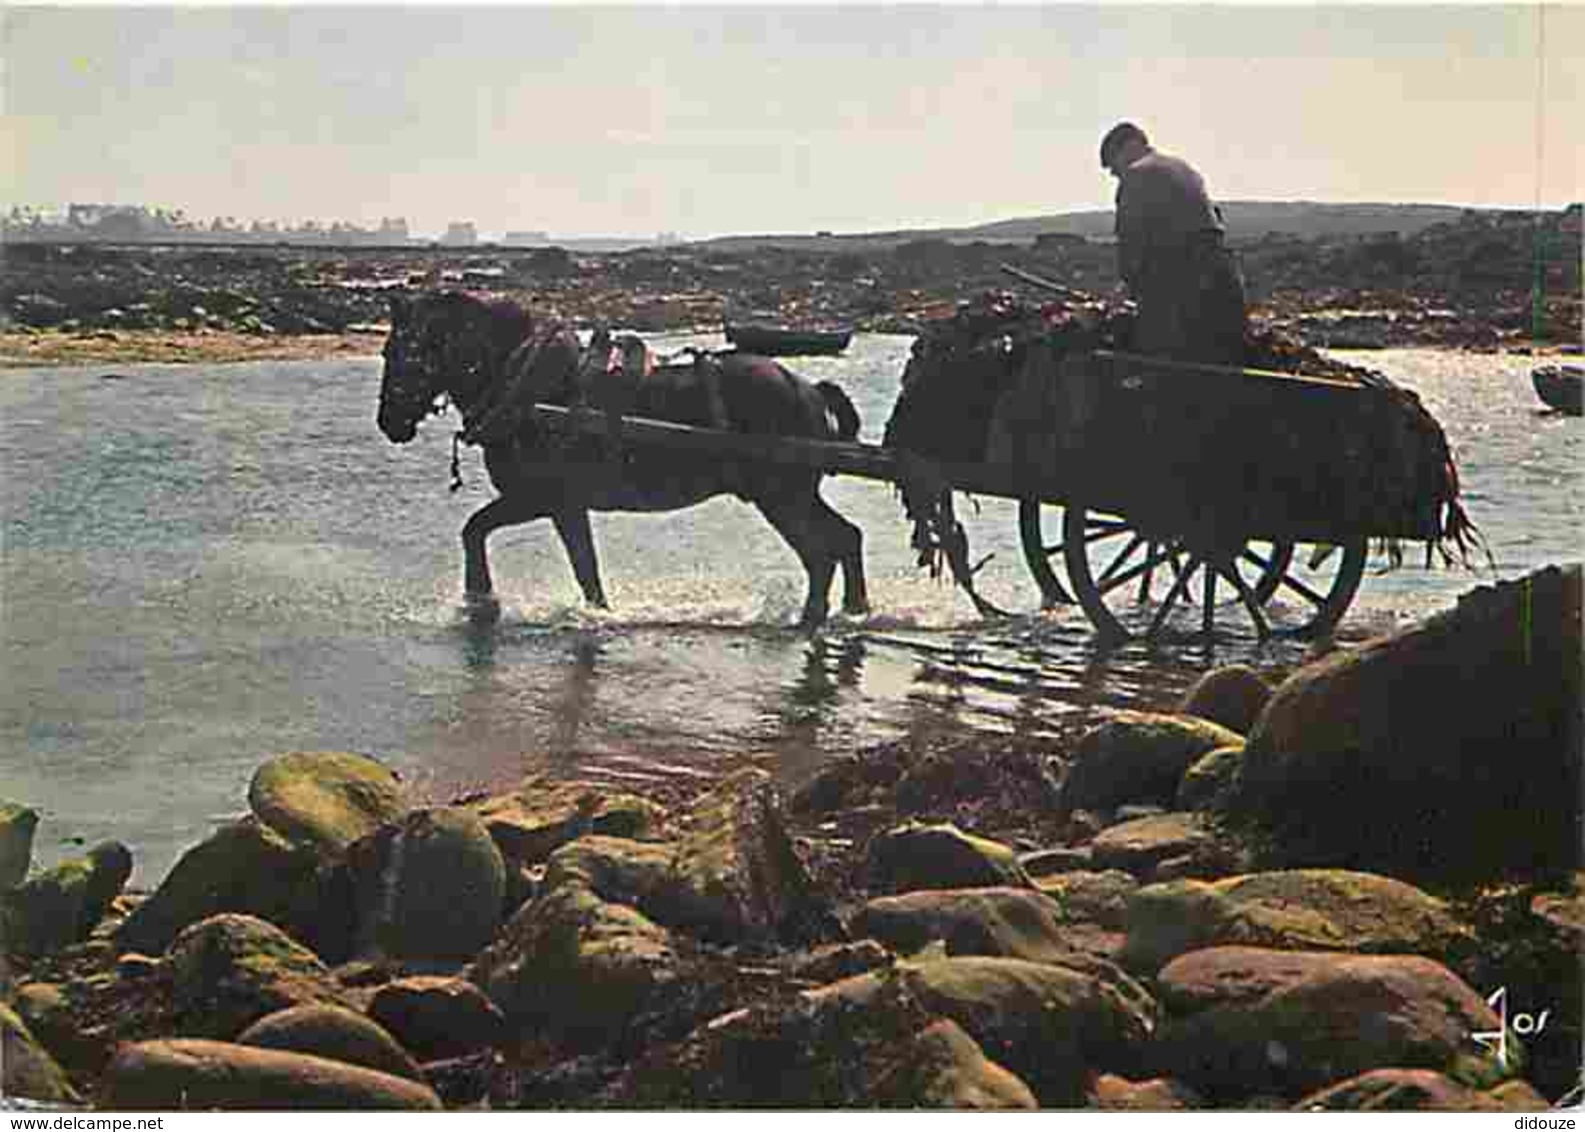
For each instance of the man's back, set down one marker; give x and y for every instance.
(1162, 202)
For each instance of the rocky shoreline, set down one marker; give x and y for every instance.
(1471, 284)
(1292, 897)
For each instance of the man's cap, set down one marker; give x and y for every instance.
(1117, 137)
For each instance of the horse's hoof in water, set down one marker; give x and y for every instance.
(482, 610)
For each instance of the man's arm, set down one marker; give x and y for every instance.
(1130, 235)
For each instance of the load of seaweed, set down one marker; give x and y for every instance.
(1051, 395)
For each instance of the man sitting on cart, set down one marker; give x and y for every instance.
(1171, 255)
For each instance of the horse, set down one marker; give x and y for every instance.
(489, 360)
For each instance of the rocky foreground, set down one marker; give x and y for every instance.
(1295, 897)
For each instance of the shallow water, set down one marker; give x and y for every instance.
(207, 565)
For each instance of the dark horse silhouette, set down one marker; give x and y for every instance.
(489, 358)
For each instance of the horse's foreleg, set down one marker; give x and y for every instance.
(795, 523)
(572, 524)
(503, 511)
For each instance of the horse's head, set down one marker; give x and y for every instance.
(442, 344)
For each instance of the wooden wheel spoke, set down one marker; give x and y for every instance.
(1112, 526)
(1106, 575)
(1150, 563)
(1171, 599)
(1208, 614)
(1304, 591)
(1251, 602)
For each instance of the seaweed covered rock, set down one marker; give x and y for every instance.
(230, 970)
(918, 855)
(542, 815)
(17, 824)
(62, 905)
(325, 799)
(26, 1069)
(1232, 695)
(243, 867)
(1448, 748)
(1012, 922)
(1302, 909)
(1160, 1094)
(1416, 1090)
(1142, 845)
(431, 886)
(862, 1043)
(1337, 1017)
(191, 1073)
(1136, 756)
(1212, 782)
(578, 967)
(332, 1032)
(438, 1017)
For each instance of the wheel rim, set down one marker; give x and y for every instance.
(1135, 584)
(1039, 555)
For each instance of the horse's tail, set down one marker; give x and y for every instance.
(841, 407)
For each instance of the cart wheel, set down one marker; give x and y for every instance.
(1039, 555)
(1136, 585)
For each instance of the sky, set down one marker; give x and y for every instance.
(605, 120)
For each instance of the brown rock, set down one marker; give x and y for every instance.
(1399, 1090)
(1119, 1094)
(438, 1017)
(332, 1032)
(1012, 922)
(1232, 695)
(193, 1074)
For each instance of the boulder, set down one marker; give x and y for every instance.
(61, 906)
(577, 966)
(1212, 782)
(326, 799)
(17, 824)
(1302, 909)
(1140, 845)
(430, 887)
(1441, 750)
(833, 961)
(1138, 757)
(26, 1068)
(1324, 1019)
(243, 867)
(194, 1074)
(1052, 1025)
(438, 1017)
(943, 1067)
(332, 1032)
(735, 874)
(1414, 1090)
(230, 970)
(1233, 695)
(617, 869)
(1058, 859)
(921, 856)
(830, 1049)
(1161, 1094)
(1012, 922)
(542, 815)
(1091, 897)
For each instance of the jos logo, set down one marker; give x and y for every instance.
(1521, 1024)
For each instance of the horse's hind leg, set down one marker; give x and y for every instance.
(572, 524)
(478, 587)
(846, 543)
(798, 524)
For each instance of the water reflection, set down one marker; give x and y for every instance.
(573, 701)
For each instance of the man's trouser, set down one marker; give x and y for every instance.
(1191, 305)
